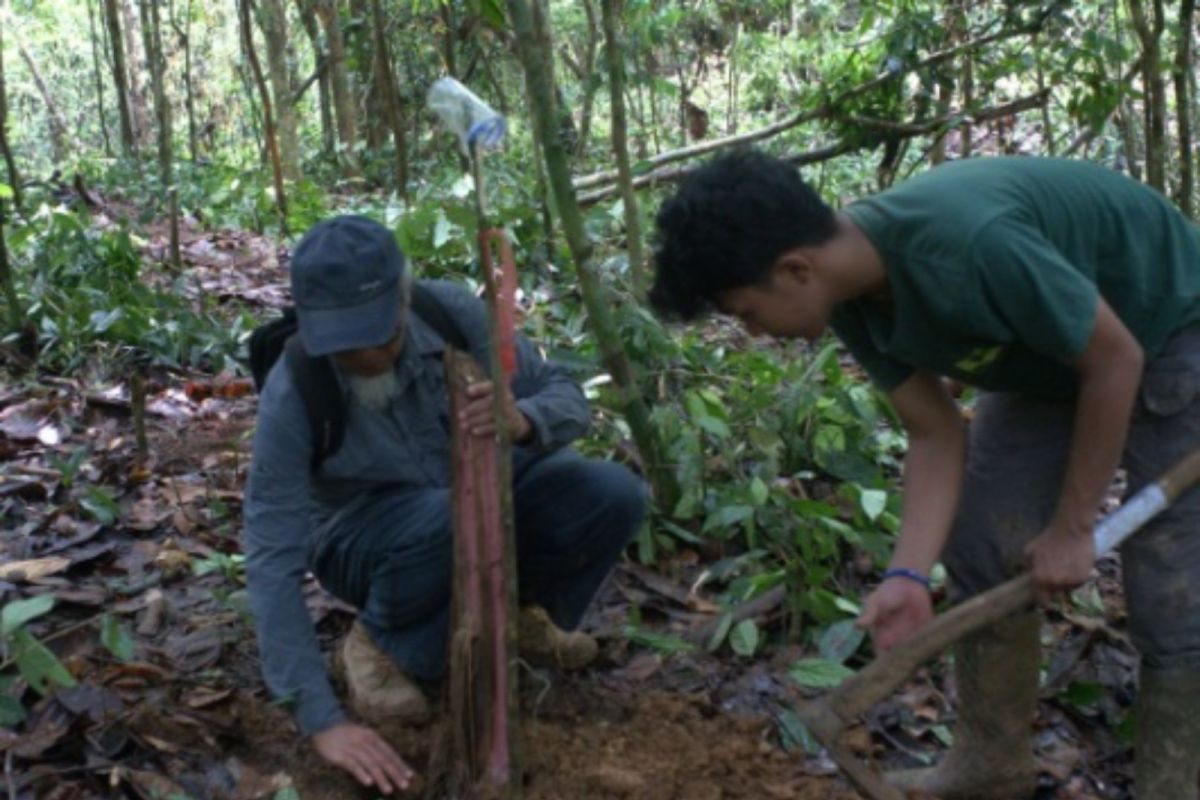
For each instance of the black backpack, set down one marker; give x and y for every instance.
(315, 378)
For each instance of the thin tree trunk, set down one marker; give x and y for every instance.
(157, 65)
(534, 46)
(372, 114)
(273, 20)
(1184, 192)
(99, 79)
(308, 19)
(137, 86)
(449, 57)
(965, 131)
(14, 178)
(610, 13)
(272, 141)
(731, 80)
(385, 80)
(120, 80)
(589, 79)
(343, 100)
(1149, 32)
(957, 32)
(255, 113)
(58, 128)
(16, 316)
(184, 32)
(655, 123)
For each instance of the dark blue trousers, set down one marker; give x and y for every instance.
(393, 557)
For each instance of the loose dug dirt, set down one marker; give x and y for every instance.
(590, 742)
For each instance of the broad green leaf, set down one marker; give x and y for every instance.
(680, 532)
(1081, 694)
(12, 713)
(441, 230)
(720, 633)
(714, 426)
(819, 673)
(657, 641)
(19, 612)
(6, 191)
(100, 504)
(728, 516)
(840, 641)
(758, 491)
(847, 605)
(744, 638)
(873, 502)
(116, 638)
(38, 665)
(795, 734)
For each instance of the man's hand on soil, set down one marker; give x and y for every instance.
(896, 610)
(478, 413)
(1060, 559)
(365, 755)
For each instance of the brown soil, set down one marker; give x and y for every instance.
(590, 742)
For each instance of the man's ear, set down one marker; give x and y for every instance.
(794, 267)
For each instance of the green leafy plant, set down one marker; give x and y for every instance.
(40, 668)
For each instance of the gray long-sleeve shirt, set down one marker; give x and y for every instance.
(405, 445)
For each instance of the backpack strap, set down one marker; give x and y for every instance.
(318, 385)
(426, 306)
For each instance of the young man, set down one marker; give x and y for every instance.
(1067, 293)
(373, 520)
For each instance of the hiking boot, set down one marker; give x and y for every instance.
(379, 690)
(543, 644)
(992, 755)
(1167, 741)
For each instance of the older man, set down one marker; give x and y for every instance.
(372, 520)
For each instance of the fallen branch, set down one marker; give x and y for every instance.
(672, 174)
(765, 603)
(910, 129)
(825, 110)
(897, 129)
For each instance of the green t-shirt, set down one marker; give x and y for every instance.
(995, 266)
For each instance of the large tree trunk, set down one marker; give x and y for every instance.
(137, 85)
(343, 100)
(534, 44)
(620, 140)
(157, 65)
(99, 75)
(116, 45)
(308, 18)
(385, 80)
(1149, 33)
(273, 19)
(272, 141)
(1184, 108)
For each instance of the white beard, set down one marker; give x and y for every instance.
(377, 392)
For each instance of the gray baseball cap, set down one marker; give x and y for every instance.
(348, 279)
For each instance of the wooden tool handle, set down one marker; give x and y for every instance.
(1181, 477)
(881, 677)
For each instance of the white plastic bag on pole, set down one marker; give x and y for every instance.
(473, 121)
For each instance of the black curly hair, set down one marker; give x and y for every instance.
(727, 225)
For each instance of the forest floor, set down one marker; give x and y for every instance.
(154, 545)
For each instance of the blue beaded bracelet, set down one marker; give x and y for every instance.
(910, 574)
